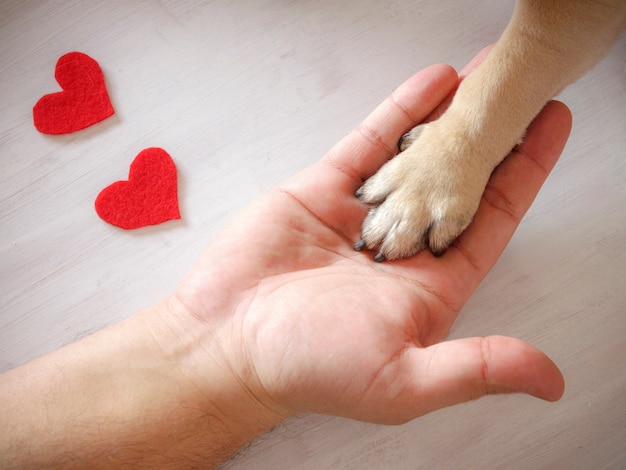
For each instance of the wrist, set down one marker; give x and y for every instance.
(148, 392)
(217, 380)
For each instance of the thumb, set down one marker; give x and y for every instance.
(461, 370)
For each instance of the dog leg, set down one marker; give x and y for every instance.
(427, 195)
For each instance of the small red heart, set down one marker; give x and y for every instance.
(149, 197)
(83, 102)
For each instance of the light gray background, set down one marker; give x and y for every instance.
(243, 94)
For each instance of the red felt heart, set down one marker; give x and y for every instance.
(83, 102)
(149, 197)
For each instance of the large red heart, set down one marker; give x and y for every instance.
(149, 197)
(83, 102)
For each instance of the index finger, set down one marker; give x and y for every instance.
(374, 141)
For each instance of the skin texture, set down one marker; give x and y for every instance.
(281, 316)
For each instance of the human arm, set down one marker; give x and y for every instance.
(124, 398)
(280, 316)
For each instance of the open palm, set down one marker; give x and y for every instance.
(310, 325)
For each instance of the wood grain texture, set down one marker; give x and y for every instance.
(243, 95)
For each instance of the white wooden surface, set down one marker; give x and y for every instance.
(243, 94)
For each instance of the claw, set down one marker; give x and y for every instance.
(379, 258)
(359, 192)
(438, 253)
(359, 245)
(401, 141)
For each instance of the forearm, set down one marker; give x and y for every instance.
(127, 396)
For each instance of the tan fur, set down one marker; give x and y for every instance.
(427, 195)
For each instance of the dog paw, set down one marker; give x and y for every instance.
(425, 196)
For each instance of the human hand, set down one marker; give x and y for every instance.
(307, 324)
(281, 316)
